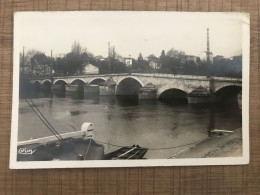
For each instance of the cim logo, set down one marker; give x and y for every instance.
(25, 151)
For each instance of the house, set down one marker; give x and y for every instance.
(128, 62)
(153, 62)
(89, 69)
(100, 58)
(41, 69)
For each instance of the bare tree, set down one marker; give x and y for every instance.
(76, 48)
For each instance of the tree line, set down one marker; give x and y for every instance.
(170, 62)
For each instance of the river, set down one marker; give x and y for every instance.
(154, 124)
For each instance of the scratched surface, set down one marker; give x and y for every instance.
(170, 180)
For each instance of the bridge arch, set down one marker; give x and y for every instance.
(128, 86)
(37, 82)
(46, 82)
(130, 77)
(37, 85)
(228, 92)
(96, 81)
(60, 81)
(46, 85)
(173, 87)
(173, 94)
(78, 82)
(221, 85)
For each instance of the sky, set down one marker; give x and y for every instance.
(130, 32)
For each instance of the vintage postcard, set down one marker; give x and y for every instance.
(126, 89)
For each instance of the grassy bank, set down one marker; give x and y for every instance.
(226, 145)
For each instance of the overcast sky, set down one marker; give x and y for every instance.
(130, 32)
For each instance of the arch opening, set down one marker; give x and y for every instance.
(231, 94)
(75, 89)
(128, 87)
(37, 86)
(60, 82)
(58, 88)
(97, 81)
(174, 95)
(46, 87)
(77, 82)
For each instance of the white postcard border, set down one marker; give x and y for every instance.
(134, 163)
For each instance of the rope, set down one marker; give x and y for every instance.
(44, 120)
(156, 148)
(87, 149)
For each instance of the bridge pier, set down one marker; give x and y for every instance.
(73, 88)
(45, 89)
(203, 99)
(91, 90)
(202, 96)
(108, 87)
(107, 90)
(148, 92)
(58, 88)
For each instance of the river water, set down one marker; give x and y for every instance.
(154, 124)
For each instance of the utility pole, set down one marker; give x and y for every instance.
(51, 70)
(109, 62)
(23, 63)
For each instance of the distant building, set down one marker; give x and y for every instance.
(88, 69)
(100, 58)
(26, 68)
(153, 62)
(191, 58)
(60, 55)
(121, 59)
(218, 57)
(128, 62)
(41, 69)
(154, 65)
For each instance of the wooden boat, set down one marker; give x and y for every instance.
(127, 153)
(78, 145)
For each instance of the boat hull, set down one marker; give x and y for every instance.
(68, 149)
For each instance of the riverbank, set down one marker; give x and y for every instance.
(226, 145)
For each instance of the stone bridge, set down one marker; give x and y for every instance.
(129, 84)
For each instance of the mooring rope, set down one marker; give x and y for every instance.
(87, 149)
(166, 148)
(43, 119)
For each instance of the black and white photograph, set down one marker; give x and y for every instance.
(127, 89)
